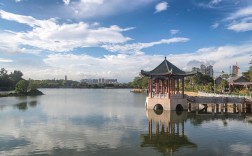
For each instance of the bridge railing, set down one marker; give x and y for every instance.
(165, 95)
(223, 95)
(160, 95)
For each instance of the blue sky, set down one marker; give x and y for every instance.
(48, 39)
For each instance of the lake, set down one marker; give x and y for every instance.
(109, 122)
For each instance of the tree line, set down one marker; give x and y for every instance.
(9, 81)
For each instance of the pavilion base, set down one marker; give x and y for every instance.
(173, 103)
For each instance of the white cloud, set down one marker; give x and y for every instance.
(243, 12)
(162, 6)
(125, 67)
(174, 31)
(241, 27)
(5, 60)
(66, 2)
(241, 20)
(137, 47)
(18, 1)
(52, 36)
(215, 2)
(89, 8)
(215, 25)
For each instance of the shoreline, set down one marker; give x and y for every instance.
(34, 92)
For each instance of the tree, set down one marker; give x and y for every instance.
(33, 85)
(5, 83)
(3, 72)
(248, 74)
(140, 82)
(16, 75)
(22, 87)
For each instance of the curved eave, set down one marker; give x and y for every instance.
(149, 74)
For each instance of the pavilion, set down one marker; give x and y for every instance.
(164, 86)
(239, 81)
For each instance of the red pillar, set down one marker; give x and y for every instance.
(157, 86)
(183, 87)
(162, 87)
(169, 87)
(150, 88)
(177, 86)
(172, 86)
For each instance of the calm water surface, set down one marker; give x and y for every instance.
(114, 122)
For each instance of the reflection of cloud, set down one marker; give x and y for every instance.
(69, 123)
(241, 148)
(56, 133)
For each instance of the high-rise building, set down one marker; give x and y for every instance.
(99, 81)
(206, 70)
(235, 70)
(203, 69)
(209, 71)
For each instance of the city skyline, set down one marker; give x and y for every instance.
(53, 38)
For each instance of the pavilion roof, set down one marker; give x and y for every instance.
(166, 68)
(239, 80)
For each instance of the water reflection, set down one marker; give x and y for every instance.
(24, 105)
(169, 134)
(109, 122)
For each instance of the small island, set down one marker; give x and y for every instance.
(23, 88)
(14, 85)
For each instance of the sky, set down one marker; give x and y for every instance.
(48, 39)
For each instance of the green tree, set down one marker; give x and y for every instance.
(33, 85)
(248, 74)
(22, 87)
(16, 76)
(5, 83)
(140, 82)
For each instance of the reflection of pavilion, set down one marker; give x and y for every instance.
(169, 131)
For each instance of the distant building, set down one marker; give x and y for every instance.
(218, 80)
(209, 71)
(235, 70)
(206, 70)
(203, 69)
(99, 81)
(195, 69)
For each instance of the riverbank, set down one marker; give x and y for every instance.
(34, 92)
(137, 90)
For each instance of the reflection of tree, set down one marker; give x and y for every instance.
(200, 118)
(33, 104)
(22, 106)
(169, 132)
